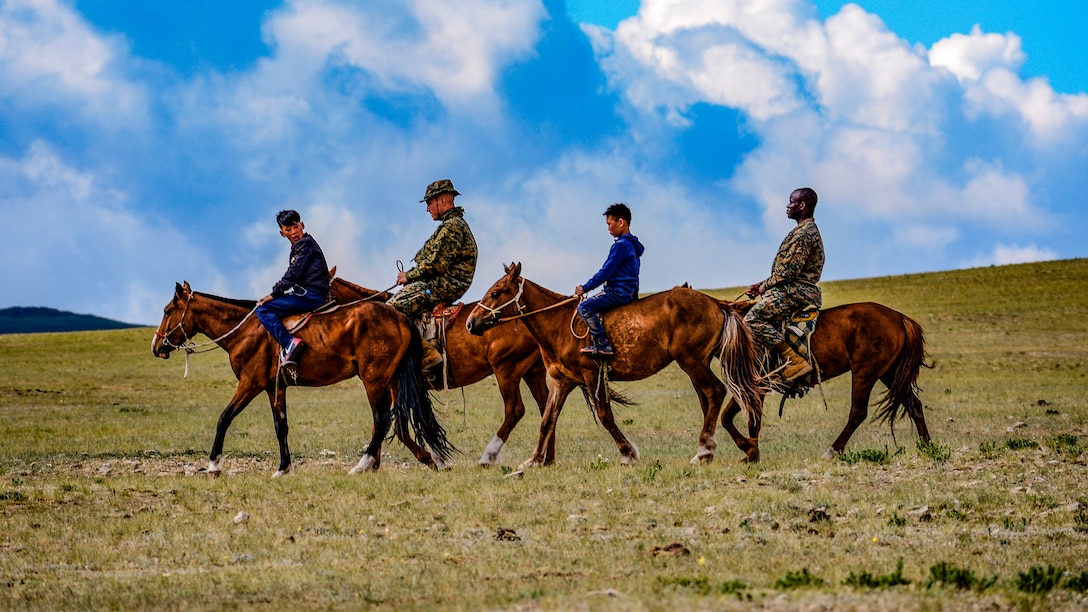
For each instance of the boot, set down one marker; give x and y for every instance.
(796, 366)
(431, 357)
(600, 347)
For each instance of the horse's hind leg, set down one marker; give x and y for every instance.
(748, 445)
(861, 388)
(544, 453)
(380, 405)
(711, 394)
(914, 409)
(628, 451)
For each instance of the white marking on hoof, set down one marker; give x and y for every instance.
(491, 453)
(830, 454)
(529, 463)
(633, 458)
(440, 464)
(290, 469)
(366, 464)
(215, 467)
(703, 456)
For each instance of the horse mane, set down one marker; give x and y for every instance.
(548, 292)
(248, 304)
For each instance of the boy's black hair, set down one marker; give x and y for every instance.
(619, 210)
(287, 218)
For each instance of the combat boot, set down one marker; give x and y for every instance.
(796, 365)
(431, 357)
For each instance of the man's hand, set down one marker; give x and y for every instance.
(578, 291)
(754, 290)
(402, 278)
(264, 299)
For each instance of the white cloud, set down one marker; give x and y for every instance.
(969, 56)
(1006, 254)
(50, 56)
(72, 227)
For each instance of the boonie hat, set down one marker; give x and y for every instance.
(439, 187)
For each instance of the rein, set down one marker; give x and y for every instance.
(187, 345)
(516, 301)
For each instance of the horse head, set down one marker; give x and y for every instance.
(171, 333)
(506, 292)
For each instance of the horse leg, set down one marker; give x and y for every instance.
(711, 394)
(628, 451)
(380, 406)
(277, 398)
(243, 395)
(544, 453)
(748, 445)
(914, 409)
(861, 388)
(514, 409)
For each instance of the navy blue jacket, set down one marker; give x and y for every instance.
(620, 271)
(307, 269)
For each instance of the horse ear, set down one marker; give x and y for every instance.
(185, 286)
(515, 270)
(332, 272)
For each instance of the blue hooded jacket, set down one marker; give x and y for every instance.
(620, 271)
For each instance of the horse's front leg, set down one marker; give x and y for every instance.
(711, 394)
(277, 398)
(629, 454)
(748, 445)
(544, 453)
(513, 410)
(381, 405)
(861, 387)
(243, 395)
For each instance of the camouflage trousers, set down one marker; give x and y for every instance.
(416, 299)
(774, 306)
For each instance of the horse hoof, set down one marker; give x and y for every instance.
(366, 464)
(829, 455)
(703, 457)
(290, 469)
(628, 460)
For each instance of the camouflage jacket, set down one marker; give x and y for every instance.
(800, 258)
(447, 261)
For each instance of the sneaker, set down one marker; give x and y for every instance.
(589, 350)
(605, 350)
(289, 350)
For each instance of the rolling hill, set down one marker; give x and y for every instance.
(35, 319)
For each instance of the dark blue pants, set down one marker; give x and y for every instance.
(590, 310)
(270, 313)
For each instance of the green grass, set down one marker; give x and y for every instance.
(104, 505)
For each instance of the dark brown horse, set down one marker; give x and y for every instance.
(369, 340)
(679, 325)
(509, 352)
(872, 342)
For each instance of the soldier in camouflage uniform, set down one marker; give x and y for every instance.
(444, 266)
(792, 284)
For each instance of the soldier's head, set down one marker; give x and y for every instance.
(802, 204)
(439, 197)
(618, 218)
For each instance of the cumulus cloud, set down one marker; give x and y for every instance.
(1005, 254)
(49, 56)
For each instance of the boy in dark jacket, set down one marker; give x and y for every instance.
(619, 275)
(304, 287)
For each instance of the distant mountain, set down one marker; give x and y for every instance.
(34, 319)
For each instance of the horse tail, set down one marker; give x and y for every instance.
(412, 404)
(903, 390)
(740, 358)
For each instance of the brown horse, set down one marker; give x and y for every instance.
(648, 334)
(369, 340)
(872, 342)
(509, 352)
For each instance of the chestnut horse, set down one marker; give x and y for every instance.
(872, 342)
(508, 352)
(648, 334)
(369, 340)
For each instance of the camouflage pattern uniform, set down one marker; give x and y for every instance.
(792, 284)
(444, 267)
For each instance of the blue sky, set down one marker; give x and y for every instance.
(143, 143)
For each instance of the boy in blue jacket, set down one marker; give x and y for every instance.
(304, 287)
(619, 275)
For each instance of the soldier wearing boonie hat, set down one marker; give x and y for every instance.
(444, 266)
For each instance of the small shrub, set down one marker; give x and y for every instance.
(1066, 443)
(897, 521)
(988, 448)
(865, 580)
(1078, 583)
(733, 586)
(1021, 443)
(795, 580)
(1080, 519)
(1015, 524)
(600, 464)
(701, 584)
(945, 573)
(934, 451)
(1038, 580)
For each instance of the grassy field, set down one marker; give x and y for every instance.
(104, 505)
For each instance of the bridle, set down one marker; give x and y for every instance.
(515, 301)
(187, 344)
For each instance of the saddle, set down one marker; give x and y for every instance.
(433, 325)
(797, 330)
